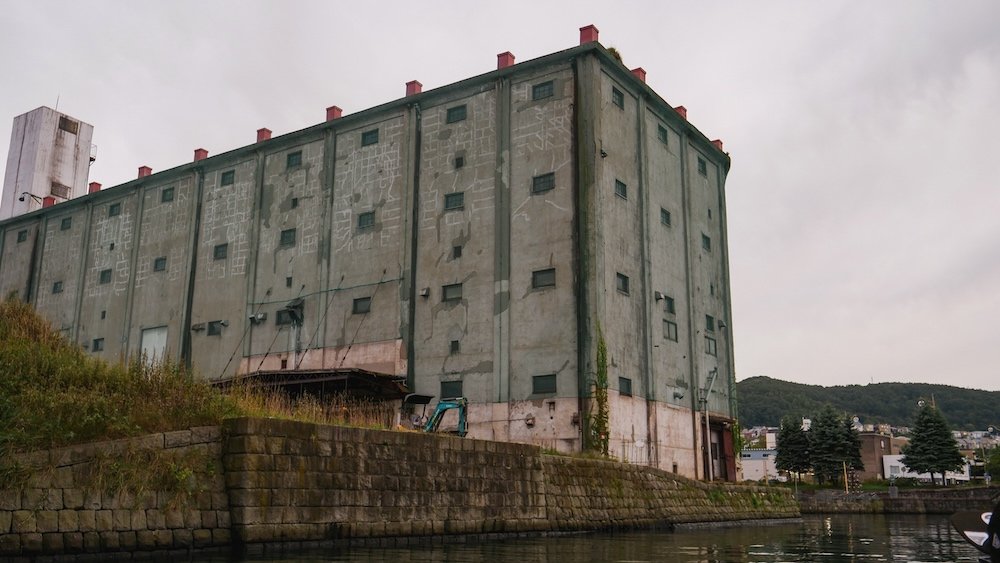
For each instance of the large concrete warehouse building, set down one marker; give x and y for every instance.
(479, 239)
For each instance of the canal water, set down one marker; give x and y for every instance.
(861, 538)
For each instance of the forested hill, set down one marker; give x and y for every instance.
(763, 401)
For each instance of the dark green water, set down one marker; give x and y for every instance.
(862, 538)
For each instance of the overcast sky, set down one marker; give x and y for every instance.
(863, 199)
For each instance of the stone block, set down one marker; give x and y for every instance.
(91, 541)
(176, 439)
(164, 538)
(174, 518)
(201, 537)
(145, 539)
(208, 519)
(127, 540)
(32, 499)
(182, 538)
(221, 536)
(222, 519)
(110, 541)
(47, 521)
(138, 519)
(10, 499)
(192, 518)
(69, 521)
(206, 434)
(10, 543)
(62, 478)
(155, 519)
(104, 520)
(52, 542)
(122, 520)
(73, 498)
(220, 500)
(87, 520)
(73, 542)
(31, 543)
(92, 500)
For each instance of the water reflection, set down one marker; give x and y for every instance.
(860, 538)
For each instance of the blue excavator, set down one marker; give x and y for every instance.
(432, 423)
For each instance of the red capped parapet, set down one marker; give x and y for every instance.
(145, 171)
(682, 111)
(718, 144)
(639, 73)
(200, 154)
(48, 201)
(263, 134)
(413, 87)
(333, 112)
(94, 188)
(588, 34)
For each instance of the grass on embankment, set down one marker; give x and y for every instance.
(53, 394)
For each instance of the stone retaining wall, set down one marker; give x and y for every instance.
(262, 481)
(66, 508)
(912, 501)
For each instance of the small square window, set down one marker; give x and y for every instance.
(625, 386)
(710, 346)
(455, 114)
(451, 389)
(68, 125)
(114, 209)
(456, 251)
(543, 90)
(621, 190)
(293, 159)
(451, 292)
(369, 138)
(621, 283)
(283, 317)
(288, 282)
(295, 202)
(702, 166)
(228, 178)
(662, 135)
(287, 237)
(362, 305)
(111, 246)
(711, 288)
(98, 345)
(57, 287)
(668, 304)
(709, 214)
(104, 315)
(664, 217)
(709, 323)
(22, 235)
(618, 98)
(167, 194)
(543, 384)
(459, 162)
(221, 251)
(454, 201)
(284, 363)
(105, 276)
(366, 220)
(543, 278)
(706, 242)
(160, 264)
(214, 328)
(66, 224)
(670, 330)
(454, 347)
(543, 183)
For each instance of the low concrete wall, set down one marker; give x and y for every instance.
(269, 481)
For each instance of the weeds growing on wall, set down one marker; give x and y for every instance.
(138, 472)
(598, 419)
(341, 410)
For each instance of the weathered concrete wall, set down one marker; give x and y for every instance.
(265, 480)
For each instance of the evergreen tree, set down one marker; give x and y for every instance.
(932, 448)
(793, 447)
(827, 444)
(852, 442)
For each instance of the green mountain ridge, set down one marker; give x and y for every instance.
(764, 400)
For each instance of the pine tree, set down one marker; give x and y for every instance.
(826, 445)
(932, 448)
(793, 448)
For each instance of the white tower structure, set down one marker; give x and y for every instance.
(50, 156)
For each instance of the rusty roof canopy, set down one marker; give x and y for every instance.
(350, 381)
